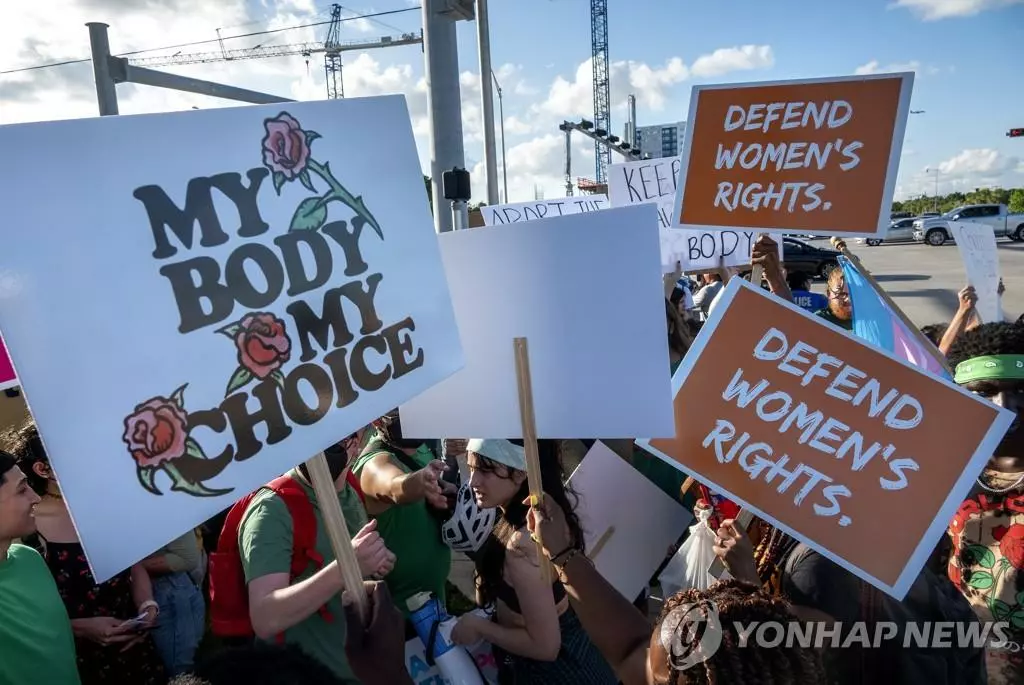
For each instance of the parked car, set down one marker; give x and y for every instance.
(936, 231)
(810, 259)
(901, 230)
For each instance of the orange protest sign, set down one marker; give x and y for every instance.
(860, 455)
(811, 156)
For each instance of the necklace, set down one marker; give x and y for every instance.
(1000, 491)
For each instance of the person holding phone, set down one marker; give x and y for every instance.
(110, 621)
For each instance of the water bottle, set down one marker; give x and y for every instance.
(455, 664)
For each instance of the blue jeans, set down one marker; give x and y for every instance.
(181, 623)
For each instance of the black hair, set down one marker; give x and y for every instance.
(798, 280)
(7, 462)
(490, 562)
(987, 339)
(389, 432)
(261, 664)
(337, 460)
(739, 602)
(679, 338)
(935, 331)
(26, 446)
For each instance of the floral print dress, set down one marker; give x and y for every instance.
(987, 564)
(83, 598)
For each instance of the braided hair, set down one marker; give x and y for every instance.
(748, 664)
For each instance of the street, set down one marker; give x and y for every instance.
(924, 280)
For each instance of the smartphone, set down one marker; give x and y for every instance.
(135, 623)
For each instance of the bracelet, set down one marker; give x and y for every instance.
(147, 604)
(560, 565)
(554, 559)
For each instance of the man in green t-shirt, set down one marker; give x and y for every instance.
(36, 643)
(405, 494)
(840, 310)
(279, 603)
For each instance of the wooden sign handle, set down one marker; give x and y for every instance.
(927, 344)
(337, 531)
(529, 422)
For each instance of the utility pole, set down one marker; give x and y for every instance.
(444, 100)
(483, 40)
(501, 117)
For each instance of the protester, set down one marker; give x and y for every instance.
(966, 312)
(987, 532)
(934, 332)
(706, 295)
(642, 656)
(182, 609)
(839, 311)
(406, 496)
(107, 649)
(306, 609)
(36, 641)
(765, 254)
(536, 636)
(820, 590)
(800, 286)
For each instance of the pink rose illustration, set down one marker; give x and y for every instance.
(286, 152)
(285, 147)
(156, 432)
(263, 347)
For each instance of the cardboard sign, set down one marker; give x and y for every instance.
(246, 287)
(519, 212)
(8, 379)
(598, 347)
(628, 522)
(654, 181)
(815, 156)
(848, 450)
(977, 244)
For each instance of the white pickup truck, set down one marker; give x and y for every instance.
(936, 230)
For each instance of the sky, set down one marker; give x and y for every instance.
(968, 56)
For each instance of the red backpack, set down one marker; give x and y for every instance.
(229, 595)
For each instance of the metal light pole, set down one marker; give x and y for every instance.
(483, 40)
(501, 116)
(444, 101)
(936, 172)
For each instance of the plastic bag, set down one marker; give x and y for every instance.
(689, 566)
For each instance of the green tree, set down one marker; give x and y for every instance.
(1017, 200)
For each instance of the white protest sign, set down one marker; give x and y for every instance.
(585, 292)
(654, 181)
(519, 212)
(229, 292)
(632, 520)
(977, 245)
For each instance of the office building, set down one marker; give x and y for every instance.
(662, 140)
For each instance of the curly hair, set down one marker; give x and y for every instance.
(988, 339)
(749, 664)
(27, 447)
(490, 562)
(935, 331)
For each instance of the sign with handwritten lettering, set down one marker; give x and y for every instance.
(653, 181)
(245, 288)
(518, 212)
(977, 244)
(815, 156)
(839, 444)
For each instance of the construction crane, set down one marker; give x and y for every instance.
(332, 48)
(602, 90)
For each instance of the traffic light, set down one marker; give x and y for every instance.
(1016, 133)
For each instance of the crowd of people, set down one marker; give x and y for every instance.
(279, 611)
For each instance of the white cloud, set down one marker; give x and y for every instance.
(724, 60)
(933, 10)
(964, 171)
(874, 67)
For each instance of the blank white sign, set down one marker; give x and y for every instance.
(586, 292)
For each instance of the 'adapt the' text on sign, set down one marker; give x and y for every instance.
(542, 209)
(245, 277)
(817, 156)
(653, 181)
(832, 447)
